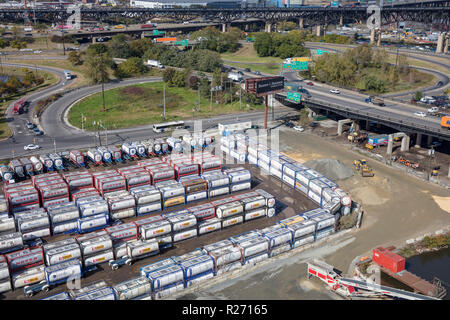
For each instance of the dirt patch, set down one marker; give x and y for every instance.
(369, 196)
(303, 157)
(330, 168)
(443, 203)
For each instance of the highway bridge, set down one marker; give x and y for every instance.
(426, 12)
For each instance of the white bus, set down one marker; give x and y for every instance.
(161, 127)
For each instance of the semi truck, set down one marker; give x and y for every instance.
(235, 76)
(155, 63)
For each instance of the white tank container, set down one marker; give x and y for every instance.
(167, 291)
(7, 224)
(240, 186)
(63, 213)
(94, 208)
(106, 154)
(57, 160)
(161, 264)
(182, 222)
(245, 236)
(199, 278)
(346, 200)
(197, 265)
(122, 231)
(101, 294)
(155, 229)
(56, 190)
(278, 237)
(123, 202)
(301, 187)
(143, 221)
(254, 246)
(63, 271)
(37, 164)
(315, 197)
(6, 173)
(76, 156)
(94, 155)
(37, 233)
(27, 164)
(256, 259)
(288, 180)
(5, 285)
(184, 234)
(132, 288)
(196, 196)
(59, 296)
(318, 186)
(142, 248)
(32, 221)
(218, 191)
(229, 267)
(88, 199)
(280, 249)
(253, 214)
(217, 245)
(292, 169)
(216, 180)
(95, 221)
(27, 277)
(10, 240)
(140, 148)
(253, 203)
(303, 240)
(58, 244)
(4, 271)
(240, 176)
(149, 207)
(209, 225)
(123, 213)
(229, 209)
(225, 256)
(172, 191)
(16, 166)
(165, 277)
(324, 221)
(63, 227)
(228, 222)
(302, 228)
(149, 196)
(98, 258)
(129, 149)
(23, 197)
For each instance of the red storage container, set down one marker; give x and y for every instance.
(388, 259)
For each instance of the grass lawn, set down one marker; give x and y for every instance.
(49, 78)
(138, 105)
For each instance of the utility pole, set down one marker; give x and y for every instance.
(82, 122)
(210, 103)
(103, 85)
(240, 95)
(64, 46)
(164, 102)
(106, 131)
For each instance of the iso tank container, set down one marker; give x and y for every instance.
(269, 199)
(173, 190)
(225, 255)
(196, 196)
(278, 237)
(124, 231)
(265, 155)
(63, 272)
(18, 198)
(89, 199)
(7, 225)
(325, 232)
(76, 157)
(142, 248)
(256, 213)
(93, 208)
(95, 245)
(184, 235)
(132, 288)
(143, 221)
(155, 229)
(231, 221)
(10, 242)
(240, 186)
(245, 236)
(27, 165)
(166, 276)
(84, 193)
(57, 201)
(112, 184)
(303, 240)
(217, 245)
(252, 159)
(182, 222)
(192, 281)
(148, 195)
(202, 211)
(63, 212)
(94, 156)
(106, 154)
(136, 179)
(54, 190)
(229, 267)
(116, 153)
(209, 225)
(6, 173)
(121, 202)
(346, 200)
(292, 169)
(161, 264)
(240, 176)
(24, 259)
(280, 249)
(106, 293)
(218, 191)
(92, 223)
(302, 228)
(32, 221)
(167, 291)
(27, 277)
(216, 180)
(312, 213)
(324, 221)
(174, 201)
(98, 258)
(36, 233)
(93, 286)
(187, 256)
(80, 179)
(5, 285)
(57, 160)
(196, 266)
(17, 167)
(37, 164)
(253, 203)
(59, 296)
(140, 148)
(65, 227)
(148, 208)
(229, 209)
(264, 165)
(174, 213)
(254, 246)
(195, 185)
(129, 149)
(4, 271)
(252, 260)
(175, 144)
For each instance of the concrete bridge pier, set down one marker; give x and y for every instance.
(446, 43)
(405, 143)
(429, 140)
(311, 114)
(367, 125)
(300, 23)
(142, 35)
(372, 36)
(378, 38)
(94, 40)
(418, 140)
(341, 20)
(440, 43)
(268, 27)
(341, 124)
(318, 31)
(224, 27)
(390, 144)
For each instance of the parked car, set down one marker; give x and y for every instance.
(31, 147)
(433, 109)
(420, 114)
(299, 128)
(335, 91)
(289, 124)
(309, 83)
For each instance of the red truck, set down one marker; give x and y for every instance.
(19, 106)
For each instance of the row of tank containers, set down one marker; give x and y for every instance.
(323, 191)
(54, 262)
(152, 147)
(66, 259)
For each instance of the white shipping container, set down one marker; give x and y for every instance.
(4, 271)
(302, 228)
(314, 197)
(66, 226)
(226, 255)
(252, 159)
(166, 276)
(279, 249)
(132, 288)
(303, 240)
(27, 277)
(253, 214)
(264, 165)
(324, 221)
(228, 222)
(96, 244)
(300, 186)
(94, 208)
(32, 221)
(218, 192)
(182, 222)
(290, 181)
(38, 233)
(256, 259)
(240, 186)
(149, 207)
(275, 172)
(161, 264)
(209, 225)
(278, 237)
(229, 209)
(183, 235)
(155, 229)
(167, 291)
(217, 245)
(96, 221)
(240, 176)
(254, 246)
(199, 279)
(145, 197)
(5, 285)
(229, 267)
(106, 293)
(253, 202)
(63, 271)
(62, 254)
(7, 224)
(197, 265)
(140, 248)
(99, 257)
(122, 231)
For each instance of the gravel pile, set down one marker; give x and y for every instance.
(330, 168)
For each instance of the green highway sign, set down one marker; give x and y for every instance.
(294, 96)
(182, 42)
(296, 65)
(157, 33)
(319, 52)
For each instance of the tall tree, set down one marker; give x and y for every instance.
(97, 61)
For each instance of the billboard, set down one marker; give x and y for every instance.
(268, 85)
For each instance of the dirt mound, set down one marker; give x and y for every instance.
(330, 168)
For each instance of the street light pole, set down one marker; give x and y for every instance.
(103, 86)
(106, 131)
(164, 98)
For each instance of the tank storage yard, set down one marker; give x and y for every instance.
(146, 220)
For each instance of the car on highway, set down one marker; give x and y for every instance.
(31, 147)
(433, 109)
(299, 128)
(309, 83)
(37, 51)
(335, 91)
(247, 70)
(257, 73)
(30, 125)
(439, 84)
(420, 114)
(38, 133)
